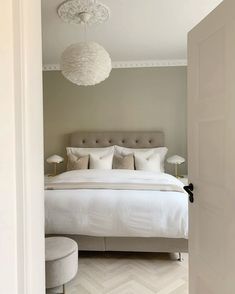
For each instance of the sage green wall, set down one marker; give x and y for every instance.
(130, 99)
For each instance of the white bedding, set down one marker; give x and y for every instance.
(120, 213)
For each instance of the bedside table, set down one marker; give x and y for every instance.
(184, 180)
(47, 179)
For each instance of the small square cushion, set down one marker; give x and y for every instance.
(76, 163)
(99, 161)
(124, 162)
(149, 162)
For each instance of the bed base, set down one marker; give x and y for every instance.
(130, 244)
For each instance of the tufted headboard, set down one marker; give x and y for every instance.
(140, 139)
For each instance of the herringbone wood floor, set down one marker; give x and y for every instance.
(130, 273)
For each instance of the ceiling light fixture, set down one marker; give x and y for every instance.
(85, 63)
(83, 11)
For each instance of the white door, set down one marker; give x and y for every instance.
(211, 147)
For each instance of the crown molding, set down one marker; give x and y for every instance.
(149, 63)
(131, 64)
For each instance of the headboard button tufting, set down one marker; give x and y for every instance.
(133, 139)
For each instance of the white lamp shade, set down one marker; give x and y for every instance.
(86, 63)
(55, 159)
(175, 159)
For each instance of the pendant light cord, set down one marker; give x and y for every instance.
(85, 33)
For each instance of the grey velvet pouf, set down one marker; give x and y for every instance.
(61, 262)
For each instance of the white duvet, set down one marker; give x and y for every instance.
(112, 212)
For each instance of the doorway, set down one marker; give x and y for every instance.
(29, 242)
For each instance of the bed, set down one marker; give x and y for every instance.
(133, 211)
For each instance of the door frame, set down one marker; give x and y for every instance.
(21, 169)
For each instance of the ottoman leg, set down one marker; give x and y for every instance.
(64, 289)
(180, 257)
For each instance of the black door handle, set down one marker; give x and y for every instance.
(189, 189)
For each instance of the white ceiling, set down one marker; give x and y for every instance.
(137, 30)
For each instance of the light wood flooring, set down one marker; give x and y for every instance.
(130, 273)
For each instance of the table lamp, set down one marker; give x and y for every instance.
(176, 160)
(55, 159)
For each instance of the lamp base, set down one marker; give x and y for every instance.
(176, 171)
(54, 171)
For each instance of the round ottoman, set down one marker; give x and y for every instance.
(61, 261)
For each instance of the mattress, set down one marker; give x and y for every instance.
(116, 203)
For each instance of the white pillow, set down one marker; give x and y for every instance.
(88, 151)
(162, 151)
(148, 162)
(101, 161)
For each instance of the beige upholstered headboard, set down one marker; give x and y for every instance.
(125, 139)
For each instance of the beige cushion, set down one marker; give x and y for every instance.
(124, 162)
(75, 162)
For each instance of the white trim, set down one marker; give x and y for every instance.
(131, 64)
(51, 67)
(29, 142)
(148, 63)
(21, 169)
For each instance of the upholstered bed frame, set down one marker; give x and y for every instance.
(132, 140)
